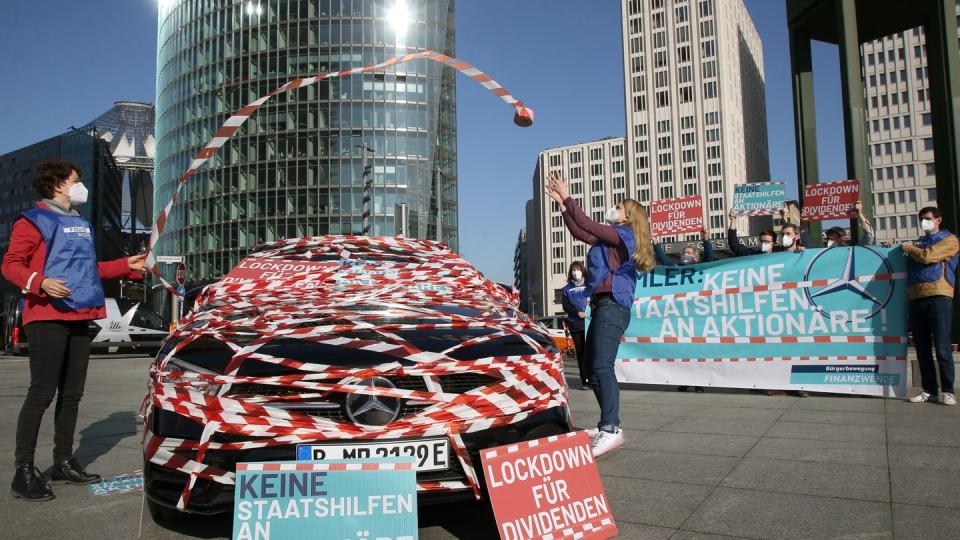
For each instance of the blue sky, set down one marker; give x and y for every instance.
(65, 62)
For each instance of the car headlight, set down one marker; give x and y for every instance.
(189, 376)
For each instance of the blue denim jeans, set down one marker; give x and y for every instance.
(608, 322)
(930, 320)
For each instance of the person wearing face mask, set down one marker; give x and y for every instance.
(790, 239)
(836, 237)
(575, 306)
(51, 259)
(617, 253)
(767, 239)
(689, 255)
(931, 278)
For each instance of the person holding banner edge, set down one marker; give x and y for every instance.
(931, 278)
(575, 306)
(617, 253)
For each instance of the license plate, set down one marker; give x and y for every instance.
(428, 454)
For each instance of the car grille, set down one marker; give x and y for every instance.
(456, 383)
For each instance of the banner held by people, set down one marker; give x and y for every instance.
(758, 198)
(676, 216)
(831, 320)
(830, 200)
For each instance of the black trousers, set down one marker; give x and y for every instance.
(59, 354)
(583, 364)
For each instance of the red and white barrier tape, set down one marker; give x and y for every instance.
(523, 117)
(368, 297)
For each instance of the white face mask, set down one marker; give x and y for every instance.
(766, 247)
(612, 216)
(687, 258)
(786, 241)
(927, 225)
(830, 243)
(577, 275)
(78, 193)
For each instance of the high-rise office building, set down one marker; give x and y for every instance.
(694, 88)
(596, 172)
(900, 132)
(520, 270)
(296, 167)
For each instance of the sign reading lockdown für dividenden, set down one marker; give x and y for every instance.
(830, 200)
(547, 488)
(356, 500)
(758, 198)
(675, 216)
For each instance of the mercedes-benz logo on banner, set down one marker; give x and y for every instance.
(877, 293)
(369, 410)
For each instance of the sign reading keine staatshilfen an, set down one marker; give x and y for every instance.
(365, 500)
(830, 320)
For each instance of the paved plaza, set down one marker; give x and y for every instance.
(731, 464)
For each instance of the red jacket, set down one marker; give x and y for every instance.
(28, 254)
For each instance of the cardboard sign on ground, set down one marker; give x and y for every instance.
(329, 499)
(547, 488)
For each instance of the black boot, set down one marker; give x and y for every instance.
(28, 484)
(69, 471)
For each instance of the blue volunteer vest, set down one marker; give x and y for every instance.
(578, 297)
(927, 273)
(624, 278)
(71, 257)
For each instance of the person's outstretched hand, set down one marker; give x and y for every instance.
(137, 262)
(559, 184)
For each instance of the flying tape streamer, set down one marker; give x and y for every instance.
(366, 297)
(523, 117)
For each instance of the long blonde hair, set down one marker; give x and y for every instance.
(639, 221)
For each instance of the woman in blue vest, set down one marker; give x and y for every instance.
(575, 306)
(618, 251)
(52, 260)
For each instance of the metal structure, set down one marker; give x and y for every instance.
(849, 23)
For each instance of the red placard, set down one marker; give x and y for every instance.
(830, 200)
(547, 488)
(675, 216)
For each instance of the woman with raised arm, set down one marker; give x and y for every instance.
(618, 252)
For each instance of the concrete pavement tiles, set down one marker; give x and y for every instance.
(713, 465)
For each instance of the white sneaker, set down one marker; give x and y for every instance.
(604, 441)
(922, 397)
(947, 398)
(592, 432)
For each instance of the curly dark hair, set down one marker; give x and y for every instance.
(51, 174)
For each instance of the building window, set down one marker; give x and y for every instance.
(558, 268)
(931, 169)
(554, 161)
(928, 143)
(926, 119)
(663, 99)
(710, 90)
(711, 118)
(686, 94)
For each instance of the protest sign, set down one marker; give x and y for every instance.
(758, 198)
(830, 200)
(831, 320)
(370, 499)
(547, 488)
(675, 216)
(124, 483)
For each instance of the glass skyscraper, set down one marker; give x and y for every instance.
(296, 167)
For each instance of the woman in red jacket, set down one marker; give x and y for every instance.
(52, 260)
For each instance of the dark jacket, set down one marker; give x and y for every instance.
(666, 260)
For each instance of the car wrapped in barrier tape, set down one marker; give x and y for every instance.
(346, 347)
